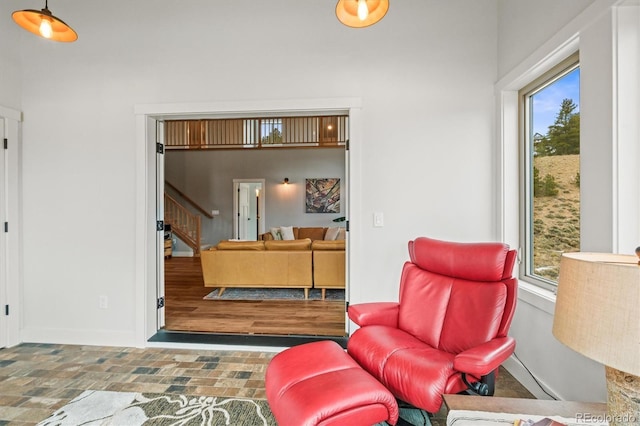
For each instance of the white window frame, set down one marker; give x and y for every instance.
(526, 188)
(624, 210)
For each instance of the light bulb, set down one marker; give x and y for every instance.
(363, 10)
(45, 28)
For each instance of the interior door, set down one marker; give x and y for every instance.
(249, 206)
(244, 208)
(3, 239)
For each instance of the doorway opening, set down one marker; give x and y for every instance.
(249, 200)
(249, 208)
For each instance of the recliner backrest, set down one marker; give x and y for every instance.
(454, 296)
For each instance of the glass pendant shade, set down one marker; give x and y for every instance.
(44, 24)
(361, 13)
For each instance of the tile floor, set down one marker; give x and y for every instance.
(37, 379)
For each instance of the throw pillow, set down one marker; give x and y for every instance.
(332, 233)
(342, 234)
(275, 233)
(287, 233)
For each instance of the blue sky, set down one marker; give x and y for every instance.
(546, 103)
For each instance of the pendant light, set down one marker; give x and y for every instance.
(44, 24)
(361, 13)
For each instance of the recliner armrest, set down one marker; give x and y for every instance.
(483, 359)
(375, 313)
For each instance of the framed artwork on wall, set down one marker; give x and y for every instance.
(322, 195)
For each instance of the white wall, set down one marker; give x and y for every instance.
(525, 25)
(592, 29)
(10, 82)
(424, 74)
(207, 178)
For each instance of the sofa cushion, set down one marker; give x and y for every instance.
(313, 233)
(288, 245)
(328, 245)
(332, 233)
(287, 233)
(240, 245)
(275, 233)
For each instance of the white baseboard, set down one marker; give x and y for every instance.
(78, 337)
(521, 374)
(182, 254)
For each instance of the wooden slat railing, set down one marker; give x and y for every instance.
(186, 225)
(257, 132)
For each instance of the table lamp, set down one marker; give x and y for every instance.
(598, 315)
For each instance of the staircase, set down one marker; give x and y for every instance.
(184, 224)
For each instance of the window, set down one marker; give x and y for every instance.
(550, 117)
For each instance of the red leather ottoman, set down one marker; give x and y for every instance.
(319, 384)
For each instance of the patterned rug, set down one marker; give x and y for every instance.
(274, 294)
(133, 408)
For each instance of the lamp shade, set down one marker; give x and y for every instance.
(347, 12)
(597, 309)
(32, 20)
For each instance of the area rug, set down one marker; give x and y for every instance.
(274, 294)
(94, 407)
(132, 408)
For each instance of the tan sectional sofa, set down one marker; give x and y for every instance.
(328, 264)
(275, 264)
(299, 233)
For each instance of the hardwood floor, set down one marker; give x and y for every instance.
(186, 311)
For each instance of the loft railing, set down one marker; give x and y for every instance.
(267, 132)
(186, 225)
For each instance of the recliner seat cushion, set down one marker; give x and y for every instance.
(411, 370)
(371, 346)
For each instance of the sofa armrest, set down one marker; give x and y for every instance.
(376, 313)
(483, 359)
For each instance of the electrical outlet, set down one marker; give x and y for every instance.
(103, 302)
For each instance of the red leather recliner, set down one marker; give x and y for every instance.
(450, 325)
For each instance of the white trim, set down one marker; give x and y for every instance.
(11, 114)
(13, 198)
(536, 296)
(250, 106)
(141, 233)
(625, 129)
(145, 185)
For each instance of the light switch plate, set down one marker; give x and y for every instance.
(378, 219)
